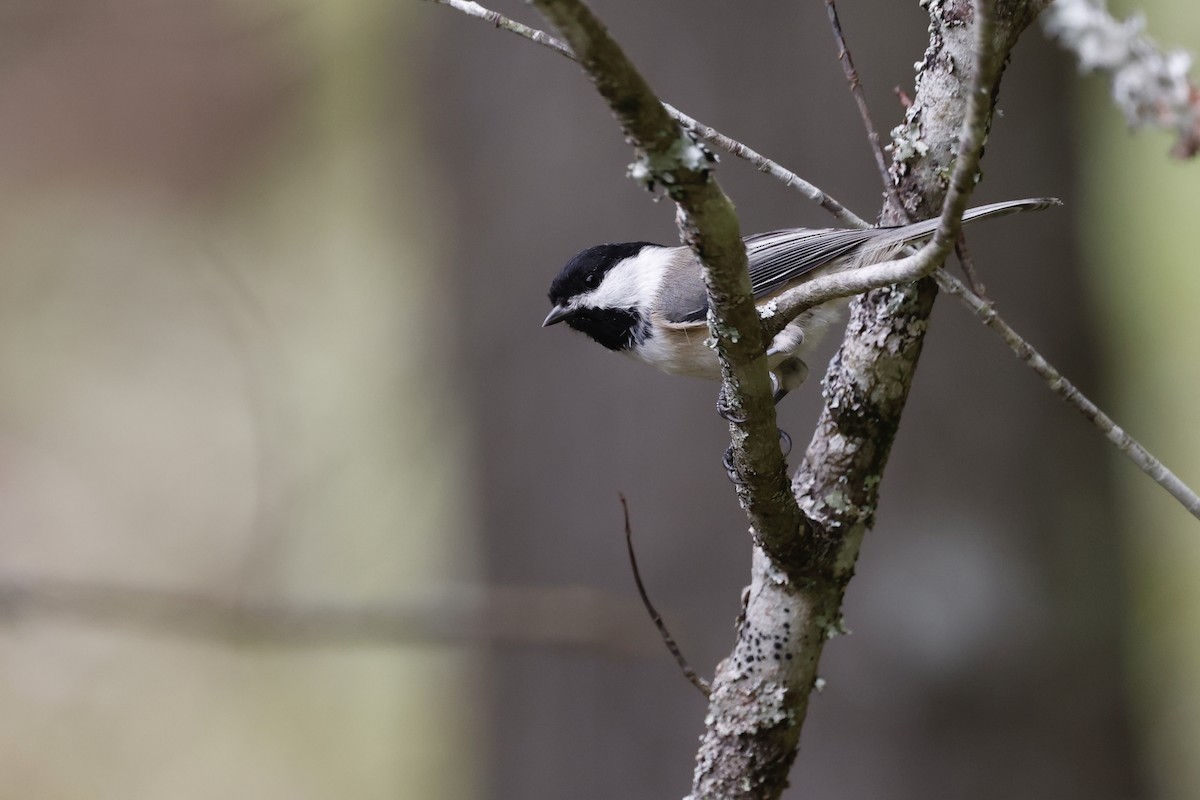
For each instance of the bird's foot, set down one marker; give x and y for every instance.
(725, 410)
(730, 469)
(789, 374)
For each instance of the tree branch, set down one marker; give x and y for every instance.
(703, 131)
(928, 258)
(868, 382)
(760, 693)
(502, 22)
(856, 91)
(673, 159)
(1067, 391)
(1089, 25)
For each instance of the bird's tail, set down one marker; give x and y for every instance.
(919, 230)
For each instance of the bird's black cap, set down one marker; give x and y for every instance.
(573, 278)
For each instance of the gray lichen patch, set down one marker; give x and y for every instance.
(686, 154)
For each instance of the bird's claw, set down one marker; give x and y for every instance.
(730, 469)
(724, 410)
(791, 373)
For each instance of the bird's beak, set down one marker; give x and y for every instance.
(556, 315)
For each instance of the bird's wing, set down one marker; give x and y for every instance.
(682, 297)
(780, 258)
(777, 259)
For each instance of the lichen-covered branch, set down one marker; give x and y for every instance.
(760, 693)
(1151, 87)
(673, 159)
(868, 381)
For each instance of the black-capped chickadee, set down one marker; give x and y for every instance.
(648, 301)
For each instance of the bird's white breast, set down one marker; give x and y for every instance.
(683, 349)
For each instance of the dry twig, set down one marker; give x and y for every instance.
(667, 638)
(860, 99)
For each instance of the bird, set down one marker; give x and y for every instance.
(648, 301)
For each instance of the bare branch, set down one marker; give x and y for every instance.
(772, 168)
(761, 692)
(1149, 86)
(824, 288)
(655, 617)
(864, 111)
(1130, 447)
(975, 299)
(968, 265)
(868, 381)
(512, 26)
(673, 159)
(857, 92)
(705, 132)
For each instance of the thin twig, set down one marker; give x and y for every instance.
(821, 289)
(829, 286)
(667, 638)
(968, 266)
(700, 129)
(772, 168)
(859, 98)
(512, 26)
(1062, 387)
(885, 175)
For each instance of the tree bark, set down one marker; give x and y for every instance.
(760, 692)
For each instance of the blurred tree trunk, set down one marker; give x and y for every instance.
(1139, 224)
(222, 341)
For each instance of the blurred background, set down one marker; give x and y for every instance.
(298, 501)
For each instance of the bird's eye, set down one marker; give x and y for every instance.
(591, 280)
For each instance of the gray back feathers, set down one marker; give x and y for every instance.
(780, 258)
